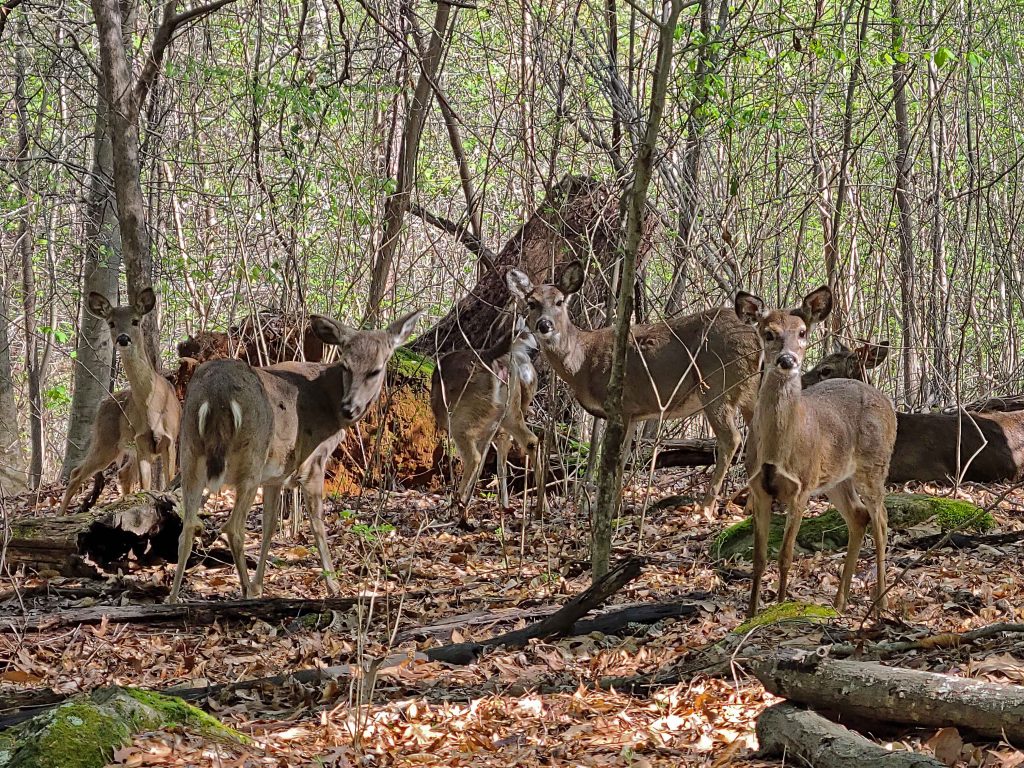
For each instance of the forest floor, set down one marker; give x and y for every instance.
(529, 707)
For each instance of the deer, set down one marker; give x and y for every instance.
(482, 396)
(846, 363)
(275, 427)
(834, 438)
(675, 368)
(985, 447)
(153, 410)
(112, 441)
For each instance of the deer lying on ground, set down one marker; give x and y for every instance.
(675, 368)
(846, 363)
(112, 440)
(152, 409)
(276, 427)
(483, 396)
(835, 437)
(941, 447)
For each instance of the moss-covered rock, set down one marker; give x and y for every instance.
(410, 365)
(789, 611)
(827, 531)
(84, 732)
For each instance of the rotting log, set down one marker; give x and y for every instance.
(803, 737)
(84, 731)
(194, 613)
(874, 692)
(559, 623)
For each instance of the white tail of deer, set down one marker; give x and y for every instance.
(675, 368)
(112, 440)
(836, 437)
(153, 410)
(276, 427)
(483, 396)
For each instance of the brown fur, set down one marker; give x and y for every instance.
(835, 438)
(480, 397)
(275, 427)
(153, 409)
(707, 361)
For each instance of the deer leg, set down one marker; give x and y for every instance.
(875, 503)
(145, 471)
(99, 457)
(472, 460)
(191, 500)
(794, 515)
(759, 507)
(295, 517)
(234, 529)
(128, 475)
(502, 444)
(271, 510)
(170, 460)
(856, 516)
(315, 509)
(727, 434)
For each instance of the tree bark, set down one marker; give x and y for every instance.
(616, 429)
(397, 203)
(13, 475)
(874, 692)
(787, 731)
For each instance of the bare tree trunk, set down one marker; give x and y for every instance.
(609, 488)
(13, 476)
(397, 204)
(904, 164)
(25, 239)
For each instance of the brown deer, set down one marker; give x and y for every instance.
(983, 447)
(846, 363)
(835, 437)
(675, 368)
(483, 396)
(153, 411)
(276, 427)
(112, 440)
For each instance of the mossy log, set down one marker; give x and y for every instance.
(791, 610)
(827, 531)
(83, 732)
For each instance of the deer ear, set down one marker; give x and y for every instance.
(519, 283)
(872, 355)
(816, 305)
(145, 301)
(403, 327)
(570, 279)
(97, 304)
(749, 308)
(330, 331)
(838, 347)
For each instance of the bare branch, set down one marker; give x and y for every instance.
(5, 12)
(459, 231)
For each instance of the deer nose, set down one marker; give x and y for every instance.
(786, 361)
(123, 340)
(545, 326)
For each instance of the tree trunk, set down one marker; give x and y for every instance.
(13, 475)
(612, 445)
(92, 361)
(397, 203)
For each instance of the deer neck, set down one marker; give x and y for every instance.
(140, 372)
(779, 414)
(569, 353)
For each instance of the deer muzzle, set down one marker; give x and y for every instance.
(123, 340)
(545, 327)
(787, 361)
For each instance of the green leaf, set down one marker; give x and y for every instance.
(943, 55)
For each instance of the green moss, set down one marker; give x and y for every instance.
(85, 731)
(827, 531)
(411, 365)
(788, 611)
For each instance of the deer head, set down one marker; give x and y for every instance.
(125, 322)
(846, 363)
(783, 332)
(547, 313)
(364, 357)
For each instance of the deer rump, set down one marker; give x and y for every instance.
(934, 447)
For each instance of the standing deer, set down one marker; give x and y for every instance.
(846, 363)
(483, 396)
(112, 440)
(153, 409)
(986, 447)
(276, 427)
(836, 437)
(675, 368)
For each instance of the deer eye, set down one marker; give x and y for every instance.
(803, 333)
(376, 372)
(769, 336)
(560, 302)
(826, 372)
(135, 322)
(531, 303)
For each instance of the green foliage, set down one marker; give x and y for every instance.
(786, 612)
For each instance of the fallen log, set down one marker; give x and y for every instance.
(196, 613)
(557, 624)
(686, 453)
(803, 737)
(871, 691)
